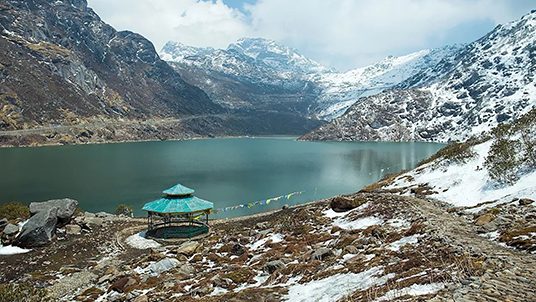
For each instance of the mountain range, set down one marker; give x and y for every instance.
(260, 73)
(465, 94)
(68, 77)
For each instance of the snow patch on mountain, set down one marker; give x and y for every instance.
(468, 92)
(331, 93)
(341, 90)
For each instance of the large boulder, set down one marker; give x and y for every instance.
(484, 219)
(123, 284)
(273, 266)
(163, 265)
(525, 201)
(39, 230)
(11, 229)
(188, 248)
(344, 203)
(65, 208)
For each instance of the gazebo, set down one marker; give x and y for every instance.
(178, 214)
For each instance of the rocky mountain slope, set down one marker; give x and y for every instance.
(253, 74)
(340, 90)
(261, 74)
(490, 180)
(62, 64)
(468, 92)
(492, 169)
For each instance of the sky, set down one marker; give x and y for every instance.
(343, 34)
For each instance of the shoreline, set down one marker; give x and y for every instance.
(295, 137)
(129, 141)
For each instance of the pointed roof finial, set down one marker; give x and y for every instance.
(178, 190)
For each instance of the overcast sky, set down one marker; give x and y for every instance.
(339, 33)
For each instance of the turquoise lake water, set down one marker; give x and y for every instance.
(228, 171)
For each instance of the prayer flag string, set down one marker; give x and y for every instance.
(250, 205)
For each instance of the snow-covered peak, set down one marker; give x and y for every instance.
(176, 51)
(273, 53)
(265, 54)
(341, 90)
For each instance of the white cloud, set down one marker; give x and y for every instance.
(361, 31)
(197, 23)
(341, 33)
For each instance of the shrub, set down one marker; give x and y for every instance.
(502, 161)
(456, 152)
(14, 210)
(125, 210)
(22, 292)
(514, 150)
(529, 147)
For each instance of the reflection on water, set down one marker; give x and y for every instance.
(225, 171)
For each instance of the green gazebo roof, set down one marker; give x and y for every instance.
(178, 190)
(178, 205)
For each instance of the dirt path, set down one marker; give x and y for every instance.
(509, 275)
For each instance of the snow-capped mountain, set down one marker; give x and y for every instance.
(341, 90)
(276, 55)
(251, 74)
(258, 73)
(468, 92)
(259, 59)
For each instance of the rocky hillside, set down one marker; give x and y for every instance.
(262, 74)
(340, 90)
(61, 64)
(468, 92)
(490, 179)
(361, 247)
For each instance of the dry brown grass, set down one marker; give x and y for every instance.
(49, 50)
(240, 275)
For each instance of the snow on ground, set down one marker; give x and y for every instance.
(358, 224)
(12, 250)
(259, 279)
(413, 290)
(395, 246)
(337, 286)
(399, 223)
(274, 238)
(329, 213)
(494, 235)
(468, 184)
(22, 223)
(139, 241)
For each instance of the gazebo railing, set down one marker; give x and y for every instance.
(176, 226)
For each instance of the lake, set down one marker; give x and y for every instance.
(228, 172)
